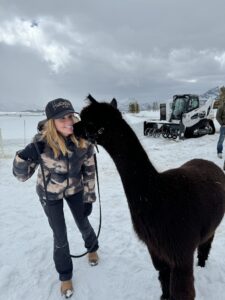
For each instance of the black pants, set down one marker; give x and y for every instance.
(54, 211)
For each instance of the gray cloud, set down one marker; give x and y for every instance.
(143, 49)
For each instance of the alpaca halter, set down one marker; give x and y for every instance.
(93, 136)
(101, 130)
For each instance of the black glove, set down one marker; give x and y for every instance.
(30, 152)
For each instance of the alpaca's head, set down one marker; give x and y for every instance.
(97, 119)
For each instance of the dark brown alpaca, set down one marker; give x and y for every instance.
(174, 212)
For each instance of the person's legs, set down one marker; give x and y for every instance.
(61, 254)
(221, 140)
(87, 209)
(80, 213)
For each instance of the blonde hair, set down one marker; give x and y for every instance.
(57, 142)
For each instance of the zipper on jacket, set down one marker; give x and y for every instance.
(67, 179)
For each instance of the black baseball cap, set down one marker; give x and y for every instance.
(58, 108)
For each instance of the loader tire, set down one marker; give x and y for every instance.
(212, 127)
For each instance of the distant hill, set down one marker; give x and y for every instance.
(41, 111)
(21, 113)
(16, 106)
(212, 93)
(123, 105)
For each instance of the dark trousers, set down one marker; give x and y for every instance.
(54, 211)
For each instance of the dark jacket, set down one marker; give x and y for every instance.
(220, 115)
(65, 175)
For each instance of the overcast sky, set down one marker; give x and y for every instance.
(142, 49)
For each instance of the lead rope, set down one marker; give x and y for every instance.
(100, 209)
(46, 194)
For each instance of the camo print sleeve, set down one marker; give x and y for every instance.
(23, 169)
(88, 170)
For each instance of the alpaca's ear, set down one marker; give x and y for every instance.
(91, 99)
(114, 103)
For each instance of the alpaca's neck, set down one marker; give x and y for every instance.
(131, 160)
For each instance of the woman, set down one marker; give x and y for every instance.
(69, 173)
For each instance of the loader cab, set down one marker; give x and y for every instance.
(183, 104)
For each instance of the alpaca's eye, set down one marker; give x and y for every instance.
(90, 127)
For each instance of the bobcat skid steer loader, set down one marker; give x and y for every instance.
(187, 118)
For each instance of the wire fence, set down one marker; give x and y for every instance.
(16, 131)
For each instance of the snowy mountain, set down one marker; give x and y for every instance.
(212, 93)
(145, 105)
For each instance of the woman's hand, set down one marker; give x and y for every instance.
(30, 152)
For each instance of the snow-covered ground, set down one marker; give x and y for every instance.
(125, 271)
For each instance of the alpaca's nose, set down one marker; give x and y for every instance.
(80, 131)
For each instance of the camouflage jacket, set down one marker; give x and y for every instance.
(64, 176)
(220, 115)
